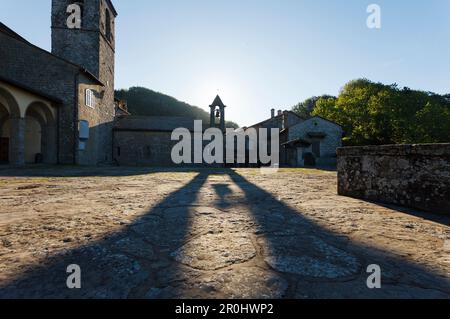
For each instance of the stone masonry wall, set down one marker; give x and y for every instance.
(36, 68)
(143, 148)
(416, 176)
(329, 144)
(90, 48)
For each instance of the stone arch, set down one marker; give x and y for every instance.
(43, 109)
(12, 105)
(40, 136)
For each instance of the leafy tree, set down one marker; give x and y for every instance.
(433, 124)
(305, 108)
(375, 114)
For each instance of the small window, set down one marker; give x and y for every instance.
(90, 99)
(108, 24)
(81, 4)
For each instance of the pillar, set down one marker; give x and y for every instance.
(48, 143)
(17, 142)
(51, 144)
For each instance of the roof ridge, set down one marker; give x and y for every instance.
(8, 31)
(11, 33)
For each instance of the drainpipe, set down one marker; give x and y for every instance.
(58, 116)
(75, 119)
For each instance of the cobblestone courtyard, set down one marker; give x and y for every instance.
(141, 233)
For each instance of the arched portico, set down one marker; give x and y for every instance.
(27, 127)
(40, 134)
(12, 129)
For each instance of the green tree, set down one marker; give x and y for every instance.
(374, 114)
(304, 109)
(433, 124)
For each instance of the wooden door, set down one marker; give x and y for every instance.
(316, 149)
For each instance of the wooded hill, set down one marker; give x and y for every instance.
(145, 102)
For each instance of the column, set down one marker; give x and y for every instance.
(48, 143)
(17, 142)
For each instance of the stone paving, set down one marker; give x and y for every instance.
(147, 233)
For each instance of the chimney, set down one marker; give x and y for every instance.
(285, 120)
(280, 113)
(272, 113)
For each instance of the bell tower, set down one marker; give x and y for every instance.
(83, 32)
(217, 111)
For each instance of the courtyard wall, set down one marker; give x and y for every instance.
(416, 176)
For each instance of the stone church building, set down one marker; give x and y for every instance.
(59, 107)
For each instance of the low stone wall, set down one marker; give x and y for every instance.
(416, 176)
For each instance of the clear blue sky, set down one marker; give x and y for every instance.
(259, 54)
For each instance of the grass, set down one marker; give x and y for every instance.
(47, 174)
(305, 171)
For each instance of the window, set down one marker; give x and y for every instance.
(108, 25)
(90, 99)
(81, 4)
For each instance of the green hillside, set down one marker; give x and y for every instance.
(145, 102)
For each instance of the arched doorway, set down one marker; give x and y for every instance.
(9, 125)
(40, 134)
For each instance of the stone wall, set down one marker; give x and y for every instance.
(328, 144)
(90, 48)
(134, 148)
(57, 76)
(100, 118)
(36, 68)
(416, 176)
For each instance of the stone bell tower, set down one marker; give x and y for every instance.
(83, 32)
(218, 111)
(91, 42)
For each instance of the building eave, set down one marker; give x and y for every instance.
(112, 7)
(31, 90)
(10, 33)
(276, 117)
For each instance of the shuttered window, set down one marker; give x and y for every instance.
(90, 99)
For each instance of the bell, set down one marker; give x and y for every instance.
(217, 114)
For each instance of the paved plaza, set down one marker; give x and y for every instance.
(210, 233)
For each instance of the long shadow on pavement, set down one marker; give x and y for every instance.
(138, 262)
(318, 263)
(122, 263)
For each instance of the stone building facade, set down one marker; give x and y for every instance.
(304, 142)
(318, 137)
(73, 110)
(146, 141)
